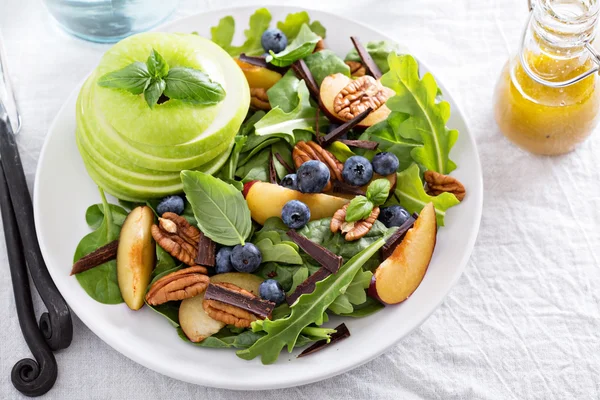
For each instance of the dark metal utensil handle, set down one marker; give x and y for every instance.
(56, 324)
(30, 377)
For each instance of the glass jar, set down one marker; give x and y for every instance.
(109, 21)
(547, 99)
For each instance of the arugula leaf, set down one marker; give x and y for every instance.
(134, 78)
(220, 209)
(411, 195)
(223, 33)
(379, 191)
(277, 121)
(379, 51)
(280, 252)
(417, 97)
(359, 208)
(192, 86)
(153, 91)
(308, 309)
(354, 294)
(100, 283)
(283, 94)
(303, 45)
(324, 63)
(294, 21)
(94, 215)
(370, 306)
(157, 66)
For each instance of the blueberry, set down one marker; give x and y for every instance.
(393, 216)
(295, 214)
(273, 39)
(290, 181)
(271, 290)
(172, 204)
(358, 171)
(223, 261)
(313, 176)
(385, 163)
(246, 258)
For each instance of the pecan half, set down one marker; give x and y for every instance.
(438, 183)
(178, 285)
(305, 151)
(320, 46)
(357, 69)
(227, 313)
(178, 237)
(352, 230)
(259, 99)
(359, 95)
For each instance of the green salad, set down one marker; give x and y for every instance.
(263, 187)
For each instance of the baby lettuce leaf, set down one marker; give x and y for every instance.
(324, 63)
(278, 121)
(411, 195)
(100, 282)
(280, 252)
(355, 294)
(303, 45)
(256, 167)
(294, 21)
(370, 306)
(418, 98)
(223, 33)
(308, 309)
(284, 94)
(379, 51)
(220, 209)
(95, 215)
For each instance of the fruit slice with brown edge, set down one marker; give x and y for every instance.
(135, 256)
(266, 200)
(247, 282)
(401, 273)
(258, 77)
(332, 85)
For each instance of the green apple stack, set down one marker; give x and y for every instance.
(135, 152)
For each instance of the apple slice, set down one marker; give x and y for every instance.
(333, 84)
(247, 282)
(135, 256)
(266, 200)
(401, 273)
(194, 321)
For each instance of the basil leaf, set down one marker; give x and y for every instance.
(192, 85)
(324, 63)
(379, 191)
(303, 45)
(157, 66)
(379, 51)
(220, 209)
(359, 208)
(153, 92)
(134, 78)
(284, 93)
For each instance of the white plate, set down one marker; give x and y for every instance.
(62, 184)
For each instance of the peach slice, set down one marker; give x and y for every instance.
(266, 200)
(247, 282)
(401, 273)
(333, 84)
(258, 77)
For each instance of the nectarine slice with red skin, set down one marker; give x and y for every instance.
(400, 274)
(266, 200)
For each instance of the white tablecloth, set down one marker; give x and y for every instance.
(522, 322)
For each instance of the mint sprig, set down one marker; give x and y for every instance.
(154, 79)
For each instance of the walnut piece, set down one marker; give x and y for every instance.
(178, 285)
(357, 69)
(306, 151)
(178, 237)
(438, 183)
(352, 230)
(227, 313)
(259, 99)
(359, 95)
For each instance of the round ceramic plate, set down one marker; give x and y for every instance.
(63, 184)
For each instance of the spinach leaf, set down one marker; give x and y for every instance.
(261, 145)
(418, 98)
(220, 209)
(223, 33)
(359, 208)
(257, 168)
(100, 282)
(227, 172)
(283, 94)
(273, 225)
(308, 309)
(281, 273)
(299, 276)
(370, 306)
(324, 63)
(164, 263)
(280, 252)
(294, 21)
(303, 45)
(95, 215)
(169, 310)
(379, 51)
(411, 194)
(285, 151)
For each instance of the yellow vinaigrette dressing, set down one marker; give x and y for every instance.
(547, 106)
